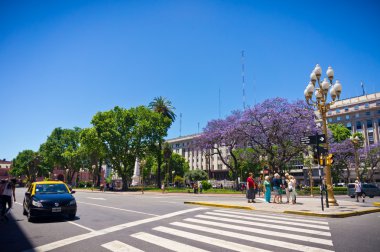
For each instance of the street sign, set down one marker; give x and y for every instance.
(317, 139)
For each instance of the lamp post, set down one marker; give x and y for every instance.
(321, 94)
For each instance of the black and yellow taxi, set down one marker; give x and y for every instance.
(49, 198)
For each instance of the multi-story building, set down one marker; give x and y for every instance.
(5, 166)
(358, 114)
(199, 159)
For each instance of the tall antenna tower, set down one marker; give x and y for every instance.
(219, 103)
(180, 124)
(242, 75)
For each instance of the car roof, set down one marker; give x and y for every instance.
(48, 182)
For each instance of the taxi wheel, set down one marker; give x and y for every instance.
(30, 218)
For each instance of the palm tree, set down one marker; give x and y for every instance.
(164, 107)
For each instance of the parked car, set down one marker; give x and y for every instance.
(49, 198)
(369, 190)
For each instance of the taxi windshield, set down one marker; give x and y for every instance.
(51, 188)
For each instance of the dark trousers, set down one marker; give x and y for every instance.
(5, 200)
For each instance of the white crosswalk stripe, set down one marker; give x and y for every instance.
(237, 231)
(118, 246)
(166, 243)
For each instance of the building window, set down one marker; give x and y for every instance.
(338, 118)
(337, 111)
(347, 117)
(369, 124)
(358, 125)
(357, 115)
(346, 109)
(378, 111)
(368, 113)
(356, 107)
(366, 105)
(349, 126)
(370, 138)
(330, 120)
(329, 113)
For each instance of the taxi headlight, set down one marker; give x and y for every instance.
(37, 203)
(72, 203)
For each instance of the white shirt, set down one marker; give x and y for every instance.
(8, 191)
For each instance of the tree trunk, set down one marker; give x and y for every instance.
(159, 162)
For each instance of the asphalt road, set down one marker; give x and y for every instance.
(161, 222)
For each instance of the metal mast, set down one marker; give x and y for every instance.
(180, 124)
(362, 84)
(242, 75)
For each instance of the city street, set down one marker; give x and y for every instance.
(162, 222)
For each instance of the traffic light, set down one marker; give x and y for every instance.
(330, 159)
(322, 160)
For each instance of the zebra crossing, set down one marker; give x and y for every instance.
(228, 230)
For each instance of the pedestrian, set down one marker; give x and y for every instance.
(359, 190)
(259, 185)
(276, 188)
(200, 187)
(292, 190)
(267, 189)
(251, 187)
(285, 182)
(196, 187)
(7, 192)
(163, 187)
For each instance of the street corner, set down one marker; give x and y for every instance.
(222, 205)
(332, 214)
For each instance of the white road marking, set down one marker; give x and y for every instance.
(78, 225)
(71, 240)
(276, 217)
(262, 231)
(257, 239)
(171, 202)
(117, 246)
(18, 203)
(209, 240)
(266, 219)
(166, 243)
(265, 225)
(96, 198)
(116, 208)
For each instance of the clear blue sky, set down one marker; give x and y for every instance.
(63, 61)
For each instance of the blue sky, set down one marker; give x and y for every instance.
(63, 61)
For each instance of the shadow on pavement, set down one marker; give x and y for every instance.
(12, 237)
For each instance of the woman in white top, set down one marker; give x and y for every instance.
(292, 189)
(359, 190)
(7, 191)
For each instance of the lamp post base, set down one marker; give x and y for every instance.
(333, 202)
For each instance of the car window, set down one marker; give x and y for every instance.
(351, 186)
(51, 188)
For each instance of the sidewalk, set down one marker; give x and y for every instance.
(305, 206)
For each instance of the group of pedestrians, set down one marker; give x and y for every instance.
(277, 186)
(7, 194)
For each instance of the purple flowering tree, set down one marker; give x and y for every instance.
(221, 137)
(274, 128)
(343, 156)
(371, 159)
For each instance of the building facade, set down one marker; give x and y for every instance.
(5, 166)
(358, 114)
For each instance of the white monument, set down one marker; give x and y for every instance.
(136, 174)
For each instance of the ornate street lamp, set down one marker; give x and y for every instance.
(321, 94)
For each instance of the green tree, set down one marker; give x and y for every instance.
(61, 149)
(92, 151)
(164, 107)
(196, 175)
(128, 134)
(339, 132)
(27, 163)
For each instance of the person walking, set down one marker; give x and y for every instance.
(7, 192)
(292, 190)
(251, 187)
(259, 186)
(276, 188)
(359, 190)
(267, 189)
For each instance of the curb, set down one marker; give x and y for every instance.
(376, 204)
(333, 215)
(220, 205)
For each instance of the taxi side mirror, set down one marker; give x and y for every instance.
(72, 191)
